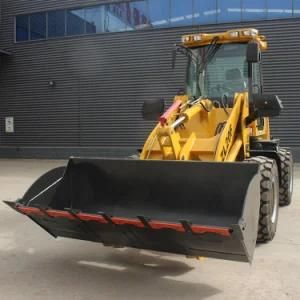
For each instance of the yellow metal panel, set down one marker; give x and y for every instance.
(234, 151)
(201, 131)
(244, 35)
(228, 135)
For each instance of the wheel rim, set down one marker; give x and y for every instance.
(275, 195)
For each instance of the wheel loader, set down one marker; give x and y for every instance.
(209, 179)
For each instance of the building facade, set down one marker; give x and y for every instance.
(74, 74)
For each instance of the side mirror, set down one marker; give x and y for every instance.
(253, 53)
(267, 105)
(153, 109)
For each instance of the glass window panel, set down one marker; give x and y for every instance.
(278, 9)
(56, 23)
(137, 15)
(115, 17)
(296, 8)
(94, 17)
(38, 26)
(254, 10)
(229, 11)
(205, 11)
(22, 28)
(75, 22)
(159, 13)
(181, 12)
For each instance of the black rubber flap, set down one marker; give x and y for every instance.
(210, 194)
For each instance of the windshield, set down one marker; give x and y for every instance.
(222, 73)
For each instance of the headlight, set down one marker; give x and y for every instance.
(185, 39)
(197, 37)
(234, 34)
(191, 38)
(250, 32)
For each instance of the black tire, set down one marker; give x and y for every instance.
(269, 198)
(287, 177)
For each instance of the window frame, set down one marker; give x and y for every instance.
(15, 29)
(197, 23)
(228, 21)
(85, 20)
(67, 10)
(65, 24)
(147, 26)
(179, 24)
(164, 26)
(276, 17)
(46, 26)
(143, 26)
(244, 20)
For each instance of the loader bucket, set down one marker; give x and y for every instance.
(191, 208)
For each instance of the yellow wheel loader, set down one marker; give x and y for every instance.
(209, 179)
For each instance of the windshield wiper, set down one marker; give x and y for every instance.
(210, 53)
(212, 49)
(186, 52)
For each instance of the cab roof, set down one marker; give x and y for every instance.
(227, 37)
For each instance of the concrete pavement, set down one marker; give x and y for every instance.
(35, 266)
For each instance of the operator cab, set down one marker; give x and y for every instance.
(218, 71)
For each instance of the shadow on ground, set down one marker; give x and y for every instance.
(68, 269)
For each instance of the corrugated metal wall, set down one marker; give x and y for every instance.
(102, 81)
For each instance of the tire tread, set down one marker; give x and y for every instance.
(286, 167)
(267, 169)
